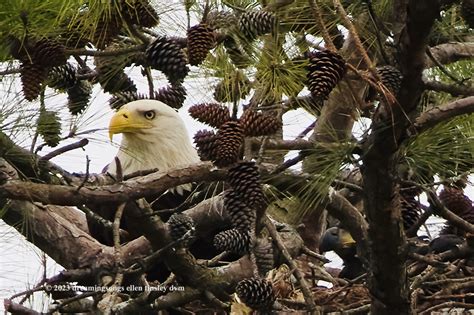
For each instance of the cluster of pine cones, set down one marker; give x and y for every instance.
(224, 147)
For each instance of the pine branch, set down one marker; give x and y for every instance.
(453, 89)
(450, 52)
(443, 113)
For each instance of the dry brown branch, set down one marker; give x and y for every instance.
(308, 296)
(444, 112)
(105, 53)
(76, 145)
(453, 89)
(451, 52)
(450, 304)
(18, 309)
(444, 212)
(132, 189)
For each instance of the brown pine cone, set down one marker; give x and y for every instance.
(212, 114)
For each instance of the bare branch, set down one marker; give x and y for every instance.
(132, 189)
(444, 112)
(451, 52)
(453, 89)
(308, 295)
(76, 145)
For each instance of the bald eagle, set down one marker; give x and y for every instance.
(154, 137)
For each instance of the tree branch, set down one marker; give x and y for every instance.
(136, 188)
(444, 112)
(450, 52)
(453, 89)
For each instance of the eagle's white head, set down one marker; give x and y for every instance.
(154, 136)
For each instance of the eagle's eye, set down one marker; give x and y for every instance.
(150, 115)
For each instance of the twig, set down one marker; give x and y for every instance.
(427, 260)
(104, 53)
(150, 260)
(149, 77)
(322, 27)
(289, 163)
(358, 310)
(444, 212)
(36, 288)
(113, 291)
(105, 224)
(140, 173)
(10, 71)
(58, 307)
(86, 177)
(449, 304)
(306, 130)
(453, 89)
(215, 301)
(375, 21)
(215, 260)
(358, 43)
(449, 296)
(119, 170)
(16, 308)
(442, 67)
(310, 253)
(308, 296)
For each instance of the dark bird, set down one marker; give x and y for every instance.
(341, 242)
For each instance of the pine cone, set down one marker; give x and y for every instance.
(49, 127)
(455, 200)
(241, 216)
(111, 76)
(201, 39)
(165, 55)
(212, 114)
(62, 77)
(244, 178)
(256, 293)
(411, 210)
(179, 224)
(232, 88)
(173, 95)
(139, 12)
(121, 98)
(48, 53)
(229, 140)
(467, 12)
(259, 124)
(32, 75)
(205, 141)
(325, 70)
(391, 78)
(232, 240)
(255, 23)
(264, 255)
(236, 54)
(221, 19)
(78, 96)
(108, 28)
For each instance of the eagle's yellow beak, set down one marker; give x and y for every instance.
(126, 121)
(345, 238)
